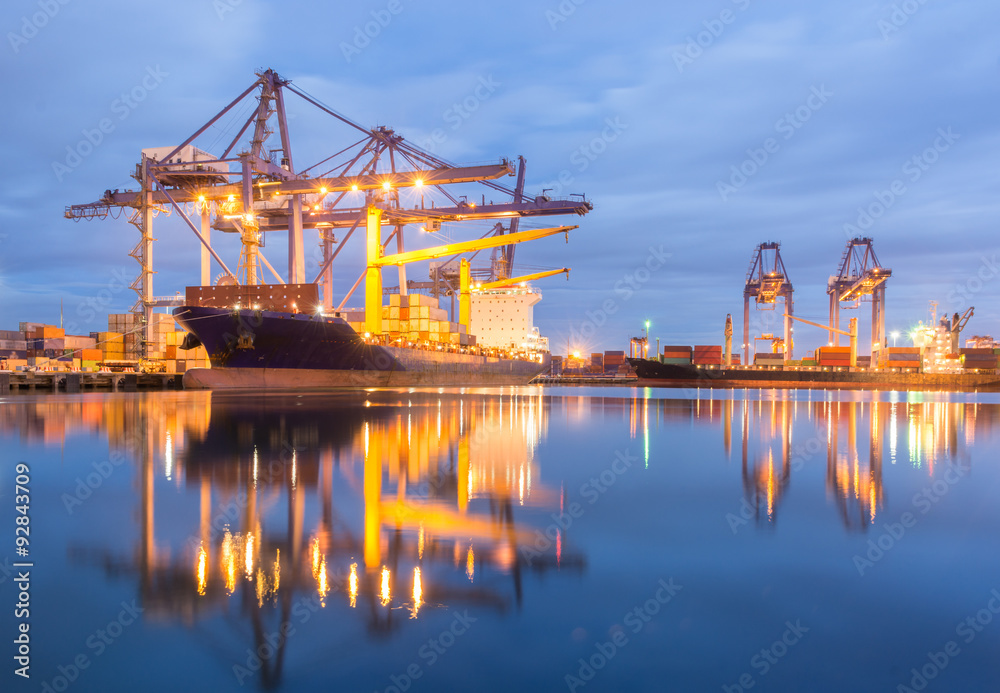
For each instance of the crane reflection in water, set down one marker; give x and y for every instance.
(387, 502)
(849, 435)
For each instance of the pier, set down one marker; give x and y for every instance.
(86, 382)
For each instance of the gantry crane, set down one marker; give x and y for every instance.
(860, 277)
(251, 190)
(766, 282)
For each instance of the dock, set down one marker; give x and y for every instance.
(22, 381)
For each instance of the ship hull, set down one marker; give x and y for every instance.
(266, 349)
(654, 373)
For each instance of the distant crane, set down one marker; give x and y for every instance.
(728, 351)
(860, 276)
(767, 280)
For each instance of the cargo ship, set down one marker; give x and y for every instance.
(652, 372)
(251, 347)
(934, 362)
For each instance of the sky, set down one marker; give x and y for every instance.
(698, 130)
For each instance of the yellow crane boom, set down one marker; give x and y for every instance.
(501, 283)
(466, 246)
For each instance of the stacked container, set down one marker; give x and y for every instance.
(613, 361)
(707, 355)
(13, 348)
(677, 355)
(769, 359)
(978, 359)
(416, 318)
(833, 356)
(903, 357)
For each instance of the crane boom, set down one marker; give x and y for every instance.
(467, 246)
(511, 281)
(816, 324)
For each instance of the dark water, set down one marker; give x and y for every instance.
(506, 540)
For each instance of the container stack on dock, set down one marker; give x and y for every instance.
(416, 318)
(614, 362)
(47, 347)
(596, 362)
(13, 346)
(768, 359)
(167, 338)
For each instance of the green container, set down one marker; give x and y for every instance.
(676, 362)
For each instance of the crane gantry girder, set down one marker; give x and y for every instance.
(860, 275)
(192, 192)
(346, 217)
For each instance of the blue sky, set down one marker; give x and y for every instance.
(645, 107)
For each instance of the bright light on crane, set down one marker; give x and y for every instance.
(322, 191)
(354, 188)
(386, 185)
(419, 182)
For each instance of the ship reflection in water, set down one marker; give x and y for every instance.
(282, 540)
(440, 481)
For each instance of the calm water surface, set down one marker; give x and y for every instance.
(558, 539)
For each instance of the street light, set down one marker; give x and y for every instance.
(895, 336)
(646, 355)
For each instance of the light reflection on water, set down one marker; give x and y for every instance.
(368, 519)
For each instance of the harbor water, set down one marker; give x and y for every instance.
(525, 539)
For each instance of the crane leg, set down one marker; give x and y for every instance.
(746, 329)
